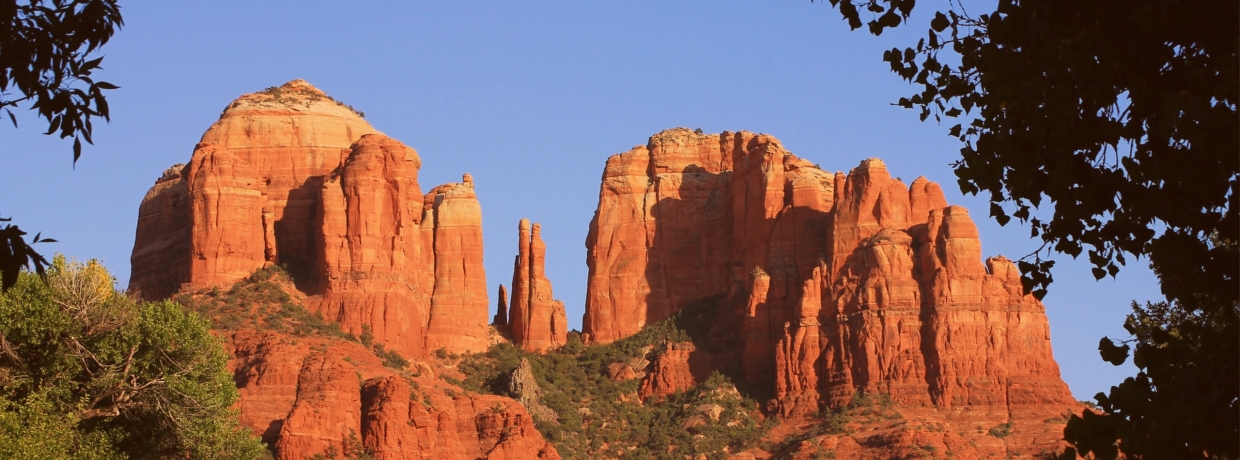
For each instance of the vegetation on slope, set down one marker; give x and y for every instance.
(86, 372)
(290, 96)
(261, 302)
(599, 418)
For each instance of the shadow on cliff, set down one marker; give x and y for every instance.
(296, 245)
(697, 274)
(686, 285)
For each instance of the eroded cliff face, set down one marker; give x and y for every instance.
(312, 396)
(836, 283)
(289, 176)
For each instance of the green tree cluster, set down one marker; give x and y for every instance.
(87, 372)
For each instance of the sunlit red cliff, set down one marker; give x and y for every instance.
(824, 285)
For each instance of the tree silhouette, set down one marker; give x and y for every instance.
(45, 60)
(1121, 118)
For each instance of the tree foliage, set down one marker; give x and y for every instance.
(46, 60)
(1177, 404)
(16, 253)
(1120, 118)
(111, 376)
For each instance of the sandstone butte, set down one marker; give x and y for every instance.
(827, 286)
(289, 176)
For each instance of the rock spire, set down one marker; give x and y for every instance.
(537, 321)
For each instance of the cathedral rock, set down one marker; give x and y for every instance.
(827, 284)
(811, 288)
(290, 177)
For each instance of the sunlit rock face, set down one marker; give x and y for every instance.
(311, 397)
(536, 320)
(288, 176)
(832, 283)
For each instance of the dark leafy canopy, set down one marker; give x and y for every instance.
(46, 59)
(1177, 406)
(1122, 117)
(15, 253)
(45, 51)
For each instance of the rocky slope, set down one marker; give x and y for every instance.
(290, 177)
(833, 284)
(309, 389)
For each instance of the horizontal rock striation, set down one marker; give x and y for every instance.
(834, 284)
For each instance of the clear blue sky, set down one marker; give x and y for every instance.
(531, 98)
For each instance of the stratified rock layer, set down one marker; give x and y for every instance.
(537, 321)
(834, 284)
(289, 176)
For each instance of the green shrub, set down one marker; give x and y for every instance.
(290, 96)
(262, 300)
(1001, 431)
(574, 377)
(91, 373)
(390, 359)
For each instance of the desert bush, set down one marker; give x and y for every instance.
(614, 424)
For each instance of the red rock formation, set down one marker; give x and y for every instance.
(860, 283)
(671, 372)
(538, 321)
(161, 262)
(375, 267)
(459, 304)
(289, 176)
(327, 412)
(501, 309)
(796, 356)
(263, 159)
(313, 396)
